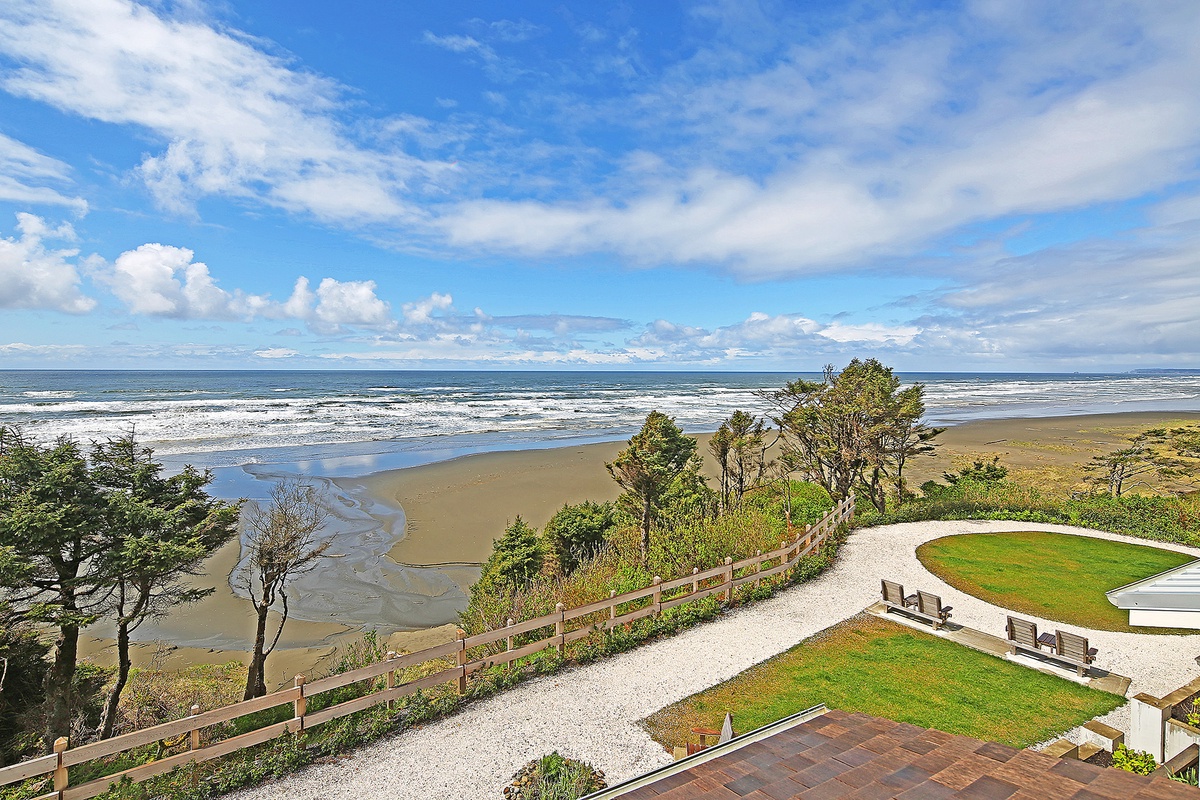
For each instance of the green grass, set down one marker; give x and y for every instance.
(1050, 575)
(878, 667)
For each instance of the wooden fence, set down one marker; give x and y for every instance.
(469, 654)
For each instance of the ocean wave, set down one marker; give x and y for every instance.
(190, 412)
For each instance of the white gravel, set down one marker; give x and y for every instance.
(593, 712)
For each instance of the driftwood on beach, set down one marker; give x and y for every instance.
(470, 654)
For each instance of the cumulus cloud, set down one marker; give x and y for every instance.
(421, 312)
(350, 303)
(165, 281)
(35, 276)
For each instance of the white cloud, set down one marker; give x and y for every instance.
(277, 352)
(33, 276)
(421, 312)
(1129, 300)
(164, 281)
(350, 303)
(237, 121)
(459, 44)
(25, 173)
(54, 352)
(876, 139)
(870, 332)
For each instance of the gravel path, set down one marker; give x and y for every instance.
(592, 712)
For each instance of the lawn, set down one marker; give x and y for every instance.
(881, 668)
(1050, 575)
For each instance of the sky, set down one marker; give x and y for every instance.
(253, 184)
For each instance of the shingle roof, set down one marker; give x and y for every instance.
(841, 755)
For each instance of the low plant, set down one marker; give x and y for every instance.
(1135, 761)
(1191, 777)
(1192, 715)
(554, 777)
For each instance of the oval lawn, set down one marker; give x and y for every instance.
(1057, 576)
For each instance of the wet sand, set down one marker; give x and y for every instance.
(453, 510)
(456, 508)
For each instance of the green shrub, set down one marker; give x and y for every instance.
(554, 777)
(1135, 761)
(577, 533)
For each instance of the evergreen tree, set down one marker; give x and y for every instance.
(855, 430)
(53, 535)
(516, 557)
(648, 468)
(160, 531)
(740, 447)
(577, 532)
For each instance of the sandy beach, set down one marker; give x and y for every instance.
(454, 509)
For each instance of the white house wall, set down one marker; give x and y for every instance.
(1164, 619)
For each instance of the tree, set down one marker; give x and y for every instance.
(854, 430)
(578, 532)
(160, 530)
(656, 456)
(52, 536)
(740, 447)
(1171, 455)
(979, 473)
(282, 543)
(22, 670)
(516, 556)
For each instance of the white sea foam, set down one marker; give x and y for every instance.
(205, 412)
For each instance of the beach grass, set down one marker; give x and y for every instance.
(1054, 576)
(877, 667)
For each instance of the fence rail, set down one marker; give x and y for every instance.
(189, 728)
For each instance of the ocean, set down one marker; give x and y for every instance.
(235, 417)
(253, 428)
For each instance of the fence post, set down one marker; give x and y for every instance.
(300, 706)
(758, 566)
(807, 536)
(560, 627)
(391, 678)
(695, 583)
(194, 733)
(728, 579)
(612, 609)
(657, 584)
(60, 772)
(511, 622)
(462, 660)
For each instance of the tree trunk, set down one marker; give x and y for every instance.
(255, 680)
(60, 681)
(109, 720)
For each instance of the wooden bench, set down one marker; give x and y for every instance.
(894, 597)
(1022, 635)
(1068, 648)
(929, 606)
(1073, 649)
(924, 605)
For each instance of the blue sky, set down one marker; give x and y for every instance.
(994, 185)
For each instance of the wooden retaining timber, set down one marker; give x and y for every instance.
(720, 580)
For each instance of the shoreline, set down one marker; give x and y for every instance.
(450, 511)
